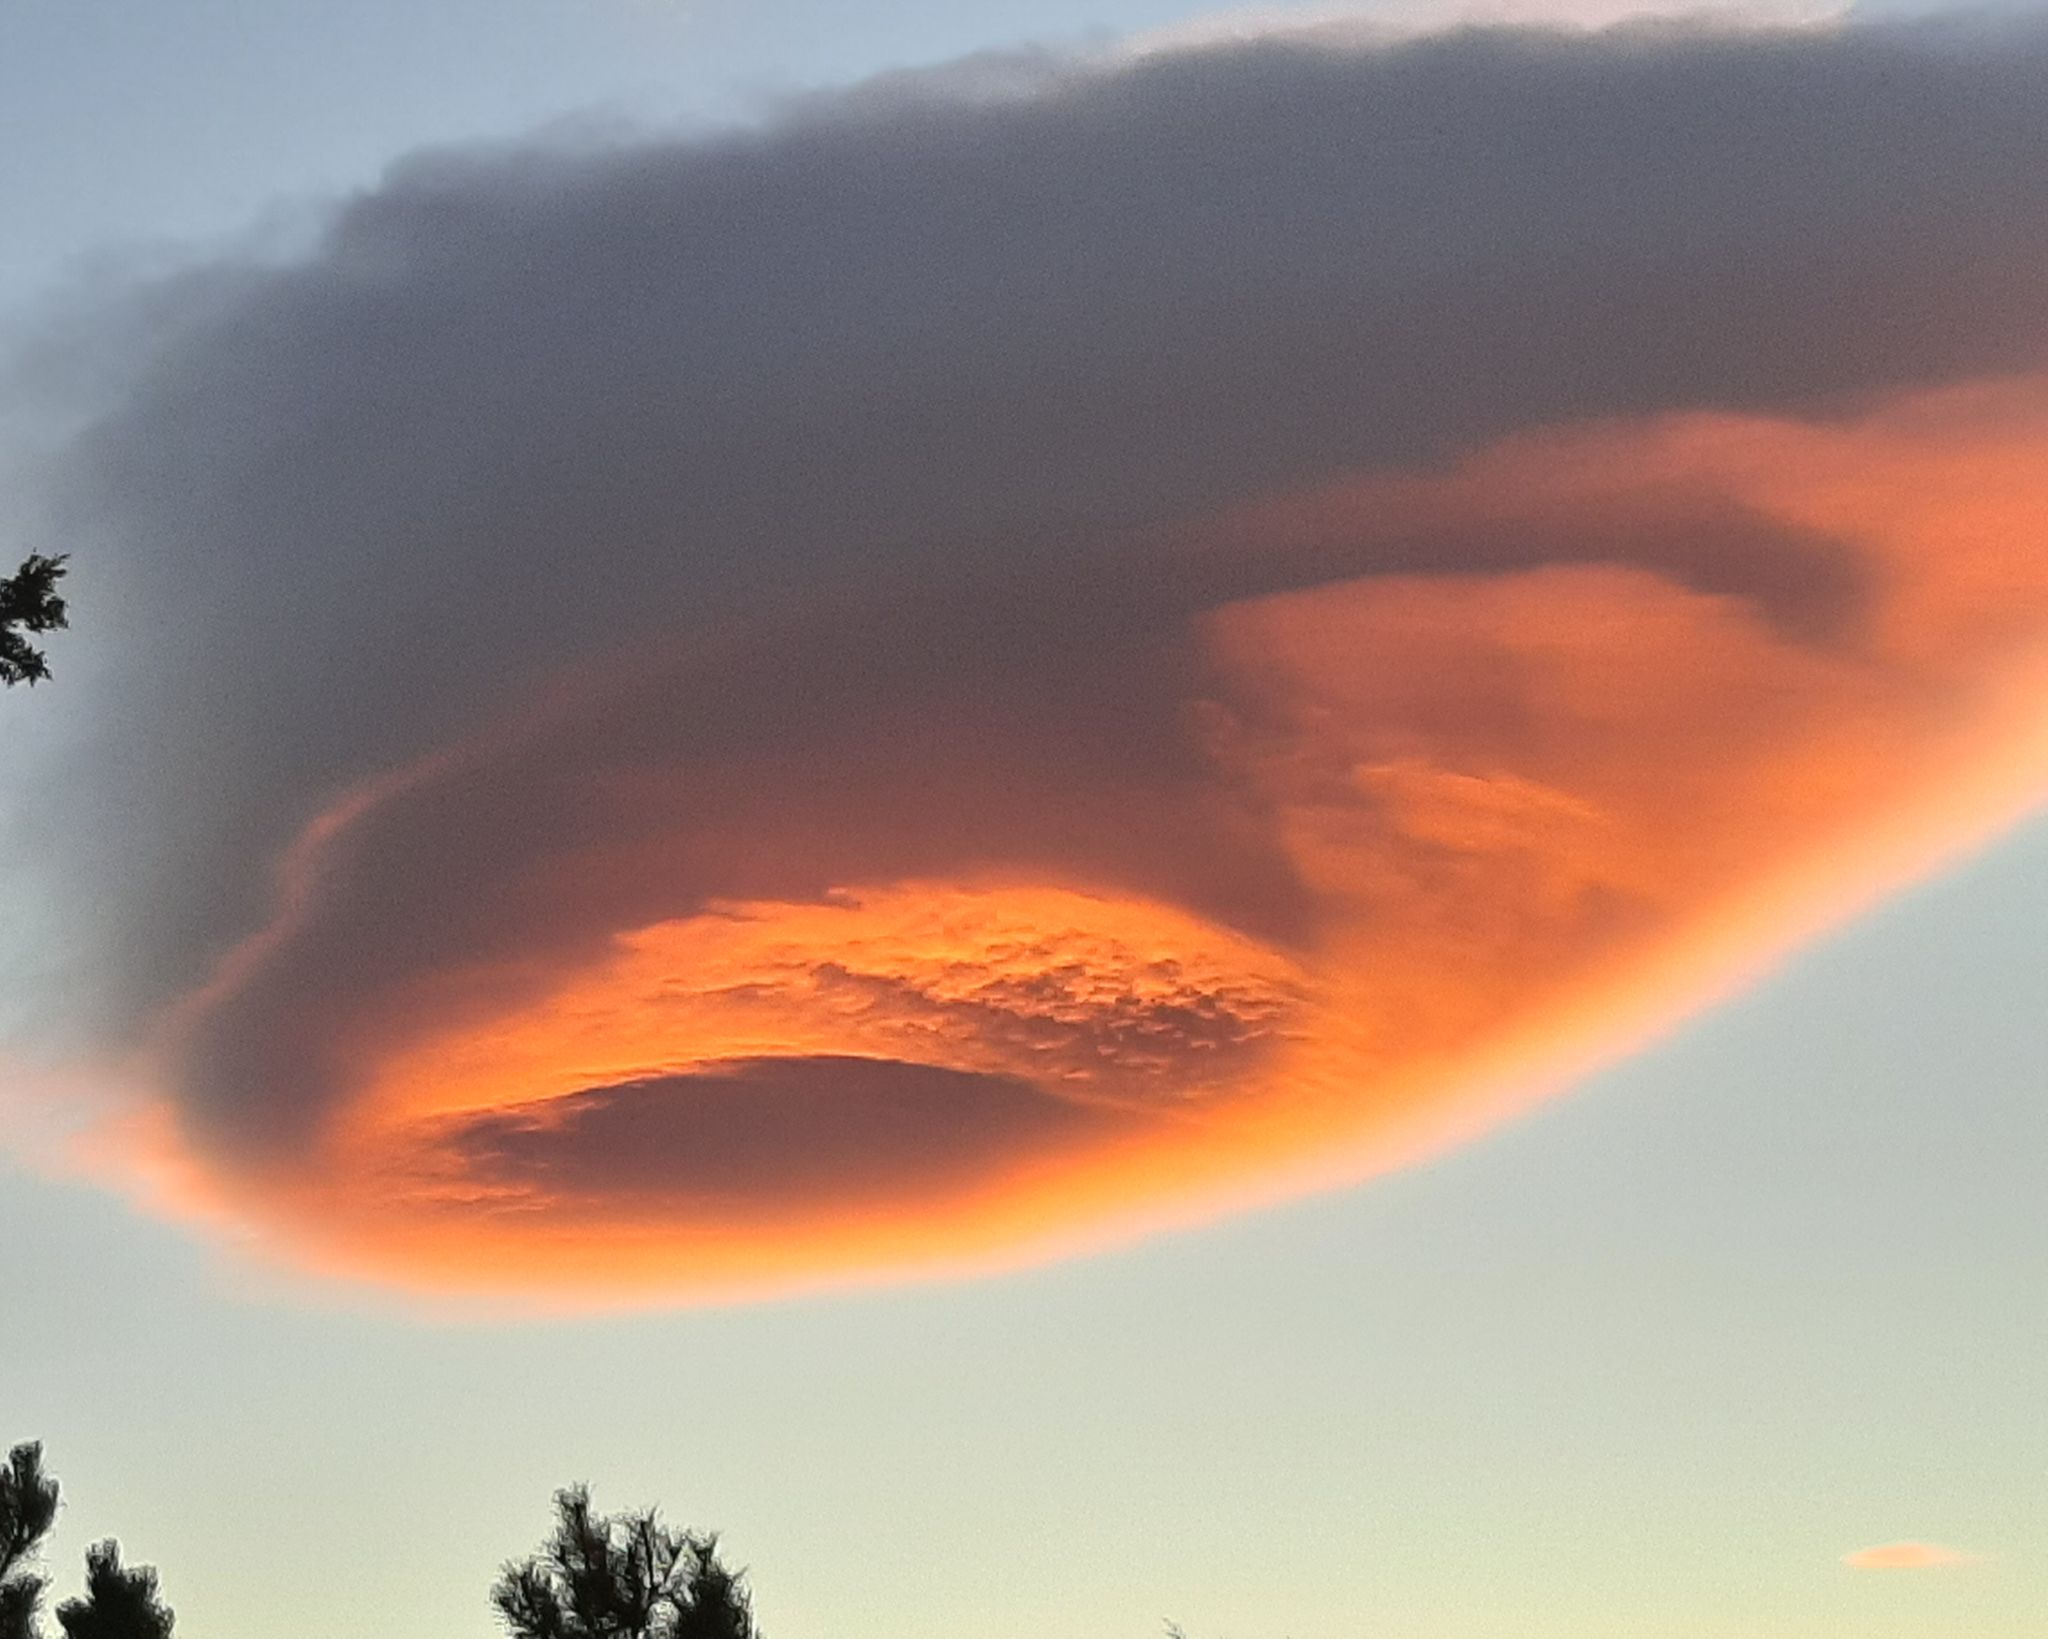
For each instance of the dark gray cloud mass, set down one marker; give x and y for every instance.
(829, 1127)
(839, 500)
(520, 406)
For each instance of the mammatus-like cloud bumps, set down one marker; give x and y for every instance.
(1020, 656)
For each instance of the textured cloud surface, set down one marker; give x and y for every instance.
(1037, 651)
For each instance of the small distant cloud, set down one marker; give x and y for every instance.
(1909, 1556)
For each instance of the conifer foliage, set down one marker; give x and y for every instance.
(118, 1603)
(622, 1576)
(29, 606)
(598, 1576)
(28, 1508)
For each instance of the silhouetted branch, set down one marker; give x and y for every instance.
(29, 604)
(119, 1603)
(622, 1576)
(28, 1508)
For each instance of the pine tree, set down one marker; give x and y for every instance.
(118, 1604)
(28, 1508)
(622, 1576)
(29, 604)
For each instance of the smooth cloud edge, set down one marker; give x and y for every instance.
(1912, 1556)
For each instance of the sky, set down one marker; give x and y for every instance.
(1094, 814)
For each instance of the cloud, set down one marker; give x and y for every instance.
(1353, 25)
(1909, 1556)
(1028, 653)
(739, 1131)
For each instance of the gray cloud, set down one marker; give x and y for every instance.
(520, 406)
(728, 1137)
(862, 474)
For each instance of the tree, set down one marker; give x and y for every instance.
(28, 1508)
(29, 604)
(118, 1603)
(622, 1576)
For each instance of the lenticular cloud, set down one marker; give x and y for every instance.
(1008, 659)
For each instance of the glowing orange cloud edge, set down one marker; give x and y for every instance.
(1940, 494)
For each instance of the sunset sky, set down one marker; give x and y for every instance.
(1093, 812)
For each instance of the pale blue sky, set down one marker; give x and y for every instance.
(124, 121)
(1647, 1362)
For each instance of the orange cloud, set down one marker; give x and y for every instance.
(909, 984)
(1041, 651)
(1909, 1556)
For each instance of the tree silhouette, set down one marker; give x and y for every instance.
(118, 1603)
(29, 604)
(622, 1576)
(28, 1508)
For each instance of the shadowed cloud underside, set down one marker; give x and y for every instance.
(732, 1133)
(977, 670)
